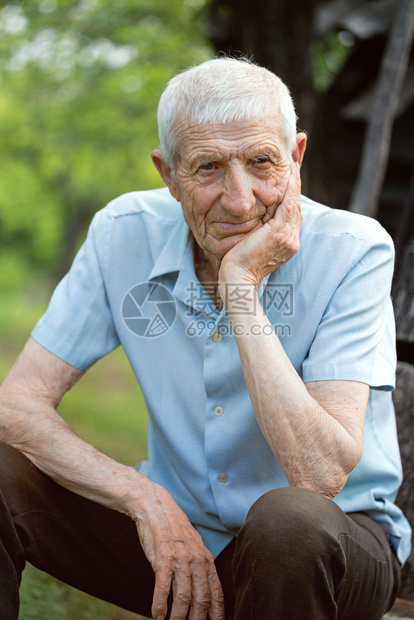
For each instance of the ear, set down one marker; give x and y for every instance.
(299, 150)
(166, 174)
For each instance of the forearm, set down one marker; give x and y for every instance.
(34, 428)
(313, 448)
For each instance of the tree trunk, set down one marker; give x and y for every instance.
(403, 295)
(404, 408)
(377, 142)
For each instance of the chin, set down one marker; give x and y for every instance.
(225, 245)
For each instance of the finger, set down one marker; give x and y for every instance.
(294, 186)
(161, 591)
(216, 611)
(291, 199)
(292, 191)
(182, 596)
(202, 595)
(297, 180)
(290, 206)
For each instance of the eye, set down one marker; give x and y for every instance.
(208, 168)
(261, 160)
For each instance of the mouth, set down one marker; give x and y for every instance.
(237, 228)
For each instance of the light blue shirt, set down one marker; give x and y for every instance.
(133, 283)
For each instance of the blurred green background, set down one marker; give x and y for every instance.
(79, 86)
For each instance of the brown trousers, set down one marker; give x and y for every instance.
(297, 557)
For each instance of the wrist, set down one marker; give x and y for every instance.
(132, 493)
(232, 276)
(240, 298)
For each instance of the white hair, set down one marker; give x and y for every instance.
(220, 91)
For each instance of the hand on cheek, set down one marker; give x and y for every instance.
(272, 244)
(280, 193)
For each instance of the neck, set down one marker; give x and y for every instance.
(207, 270)
(206, 265)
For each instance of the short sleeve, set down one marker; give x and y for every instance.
(355, 339)
(78, 325)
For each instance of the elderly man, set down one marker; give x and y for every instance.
(264, 347)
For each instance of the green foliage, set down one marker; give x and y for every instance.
(18, 314)
(80, 81)
(329, 54)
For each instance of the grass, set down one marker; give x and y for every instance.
(107, 409)
(45, 598)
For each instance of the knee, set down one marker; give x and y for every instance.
(290, 521)
(288, 508)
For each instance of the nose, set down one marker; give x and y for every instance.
(238, 196)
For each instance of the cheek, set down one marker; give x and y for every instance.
(202, 200)
(195, 207)
(273, 193)
(275, 189)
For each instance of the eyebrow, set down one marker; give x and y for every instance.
(204, 158)
(272, 153)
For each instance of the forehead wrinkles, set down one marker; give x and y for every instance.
(226, 141)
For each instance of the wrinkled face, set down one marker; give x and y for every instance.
(229, 178)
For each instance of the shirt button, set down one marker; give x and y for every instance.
(218, 410)
(223, 478)
(217, 337)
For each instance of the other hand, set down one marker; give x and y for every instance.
(179, 559)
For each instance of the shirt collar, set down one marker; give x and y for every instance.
(175, 265)
(174, 252)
